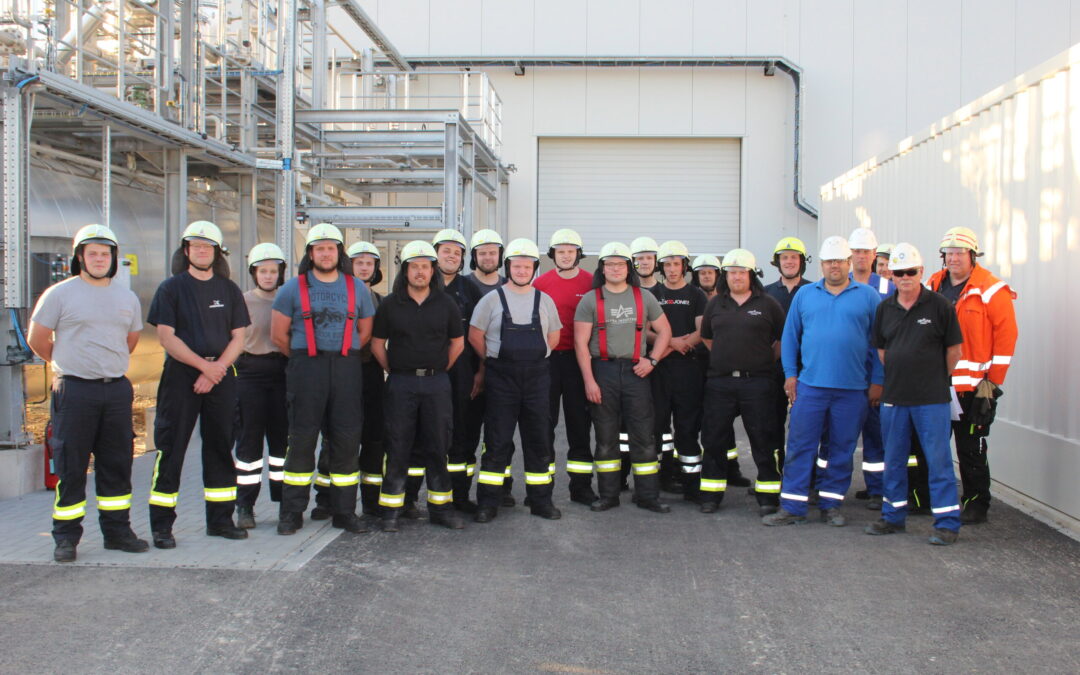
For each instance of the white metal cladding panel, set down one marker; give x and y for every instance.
(616, 189)
(1008, 166)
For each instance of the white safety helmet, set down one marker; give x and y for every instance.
(266, 252)
(449, 236)
(643, 245)
(834, 248)
(672, 249)
(615, 249)
(884, 250)
(324, 232)
(739, 257)
(706, 260)
(480, 238)
(904, 256)
(363, 247)
(566, 237)
(207, 231)
(417, 250)
(960, 237)
(93, 234)
(863, 239)
(521, 248)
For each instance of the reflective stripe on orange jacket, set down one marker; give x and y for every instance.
(988, 321)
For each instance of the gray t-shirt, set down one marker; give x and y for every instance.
(257, 335)
(328, 303)
(621, 319)
(90, 326)
(488, 316)
(486, 288)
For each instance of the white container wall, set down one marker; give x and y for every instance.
(1008, 166)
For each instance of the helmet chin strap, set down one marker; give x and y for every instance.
(515, 282)
(199, 267)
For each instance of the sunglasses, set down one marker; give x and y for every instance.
(906, 273)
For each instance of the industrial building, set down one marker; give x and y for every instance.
(723, 123)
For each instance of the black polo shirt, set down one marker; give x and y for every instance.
(418, 336)
(915, 341)
(742, 335)
(682, 307)
(779, 292)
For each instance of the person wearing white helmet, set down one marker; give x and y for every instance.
(567, 284)
(260, 376)
(881, 265)
(365, 260)
(704, 272)
(677, 383)
(465, 378)
(86, 327)
(741, 327)
(609, 338)
(486, 259)
(644, 250)
(200, 316)
(984, 305)
(321, 319)
(918, 338)
(417, 338)
(833, 375)
(864, 245)
(514, 329)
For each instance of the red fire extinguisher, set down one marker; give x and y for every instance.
(51, 479)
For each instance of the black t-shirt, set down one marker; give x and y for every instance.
(682, 308)
(203, 313)
(951, 292)
(742, 335)
(466, 295)
(779, 292)
(915, 341)
(418, 336)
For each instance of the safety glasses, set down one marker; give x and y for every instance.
(906, 273)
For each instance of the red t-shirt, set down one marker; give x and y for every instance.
(567, 294)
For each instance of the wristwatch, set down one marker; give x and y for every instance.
(652, 361)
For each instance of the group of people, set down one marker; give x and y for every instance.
(655, 353)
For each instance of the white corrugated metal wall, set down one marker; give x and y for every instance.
(1008, 166)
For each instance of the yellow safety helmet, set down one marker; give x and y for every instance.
(960, 237)
(324, 232)
(263, 252)
(417, 250)
(705, 261)
(565, 237)
(449, 236)
(363, 247)
(672, 249)
(204, 229)
(616, 249)
(481, 237)
(643, 245)
(522, 248)
(790, 244)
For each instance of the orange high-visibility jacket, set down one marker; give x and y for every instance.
(988, 322)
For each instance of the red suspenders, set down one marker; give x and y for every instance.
(309, 322)
(601, 324)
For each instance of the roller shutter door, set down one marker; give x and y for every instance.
(616, 189)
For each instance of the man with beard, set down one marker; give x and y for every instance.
(320, 320)
(260, 375)
(745, 324)
(677, 382)
(832, 375)
(86, 327)
(567, 284)
(609, 327)
(515, 328)
(200, 317)
(417, 337)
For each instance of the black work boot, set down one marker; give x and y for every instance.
(245, 517)
(127, 542)
(350, 522)
(64, 551)
(289, 522)
(164, 539)
(486, 514)
(447, 518)
(369, 500)
(581, 490)
(461, 482)
(734, 475)
(226, 531)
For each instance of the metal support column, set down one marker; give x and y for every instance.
(188, 35)
(450, 176)
(176, 181)
(14, 173)
(319, 35)
(106, 176)
(285, 205)
(468, 190)
(249, 221)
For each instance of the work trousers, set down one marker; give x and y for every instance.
(262, 421)
(931, 424)
(371, 445)
(780, 408)
(844, 410)
(873, 451)
(752, 398)
(91, 417)
(419, 424)
(325, 393)
(517, 393)
(971, 454)
(178, 408)
(468, 414)
(678, 385)
(568, 386)
(626, 399)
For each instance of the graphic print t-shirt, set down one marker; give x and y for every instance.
(328, 308)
